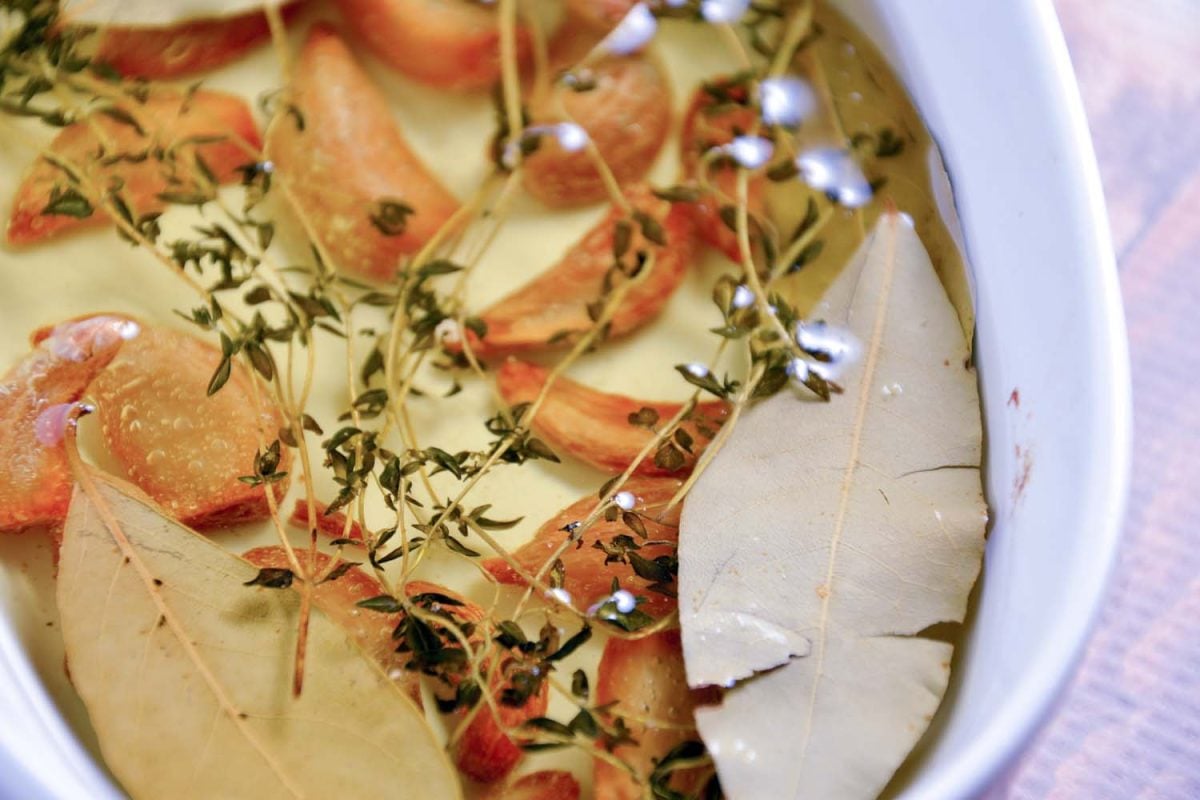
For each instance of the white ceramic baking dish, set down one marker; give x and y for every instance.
(996, 88)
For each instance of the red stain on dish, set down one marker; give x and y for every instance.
(1014, 399)
(1024, 458)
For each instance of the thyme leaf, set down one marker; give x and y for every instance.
(272, 578)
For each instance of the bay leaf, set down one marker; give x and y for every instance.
(186, 673)
(826, 537)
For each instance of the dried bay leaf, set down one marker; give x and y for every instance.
(825, 537)
(186, 674)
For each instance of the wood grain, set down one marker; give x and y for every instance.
(1129, 727)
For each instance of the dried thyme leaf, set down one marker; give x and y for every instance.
(67, 202)
(644, 417)
(651, 228)
(383, 603)
(340, 570)
(460, 548)
(634, 522)
(550, 726)
(807, 255)
(579, 684)
(679, 194)
(669, 457)
(888, 144)
(571, 645)
(272, 578)
(390, 217)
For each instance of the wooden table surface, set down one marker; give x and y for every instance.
(1129, 727)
